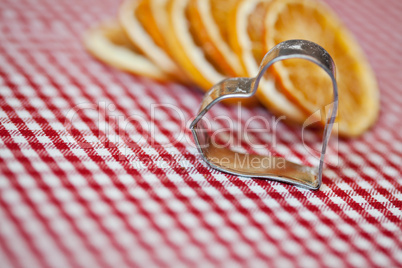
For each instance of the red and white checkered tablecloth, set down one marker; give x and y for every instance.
(89, 177)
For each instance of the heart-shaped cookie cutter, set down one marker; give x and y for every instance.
(224, 159)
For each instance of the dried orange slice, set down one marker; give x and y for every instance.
(184, 44)
(135, 18)
(246, 37)
(184, 34)
(310, 88)
(210, 21)
(108, 43)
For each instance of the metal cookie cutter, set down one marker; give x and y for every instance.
(223, 159)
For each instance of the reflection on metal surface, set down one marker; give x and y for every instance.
(249, 165)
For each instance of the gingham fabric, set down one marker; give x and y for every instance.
(94, 173)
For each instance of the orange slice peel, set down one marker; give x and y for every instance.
(108, 43)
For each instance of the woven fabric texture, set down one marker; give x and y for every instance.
(98, 168)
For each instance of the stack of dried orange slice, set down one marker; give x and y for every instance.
(204, 41)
